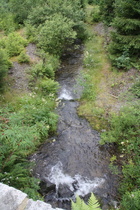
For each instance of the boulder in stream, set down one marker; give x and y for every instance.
(64, 191)
(46, 187)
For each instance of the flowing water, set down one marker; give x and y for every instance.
(73, 163)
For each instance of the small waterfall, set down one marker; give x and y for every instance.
(65, 94)
(78, 185)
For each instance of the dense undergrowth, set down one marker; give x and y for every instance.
(28, 118)
(124, 132)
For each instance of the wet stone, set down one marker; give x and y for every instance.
(50, 196)
(64, 191)
(46, 187)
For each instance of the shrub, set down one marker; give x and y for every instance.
(31, 33)
(131, 200)
(19, 176)
(7, 23)
(81, 30)
(14, 44)
(46, 68)
(136, 89)
(124, 126)
(21, 9)
(56, 34)
(69, 9)
(95, 14)
(50, 64)
(23, 57)
(47, 86)
(123, 61)
(4, 65)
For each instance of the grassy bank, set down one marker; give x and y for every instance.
(97, 99)
(110, 102)
(27, 116)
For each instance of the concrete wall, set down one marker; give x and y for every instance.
(13, 199)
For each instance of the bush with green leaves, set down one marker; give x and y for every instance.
(135, 89)
(5, 64)
(56, 34)
(14, 44)
(123, 61)
(50, 64)
(7, 23)
(21, 9)
(47, 86)
(81, 205)
(31, 33)
(70, 10)
(95, 14)
(131, 201)
(23, 57)
(95, 2)
(125, 132)
(44, 68)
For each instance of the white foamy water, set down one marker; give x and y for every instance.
(78, 184)
(65, 94)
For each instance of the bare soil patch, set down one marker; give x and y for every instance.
(19, 72)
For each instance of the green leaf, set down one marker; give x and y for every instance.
(93, 204)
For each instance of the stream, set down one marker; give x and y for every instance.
(73, 163)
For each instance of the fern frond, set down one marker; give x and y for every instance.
(79, 205)
(93, 203)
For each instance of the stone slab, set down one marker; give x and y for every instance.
(13, 199)
(10, 198)
(38, 205)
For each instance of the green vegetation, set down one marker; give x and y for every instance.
(95, 14)
(91, 205)
(27, 120)
(56, 34)
(136, 89)
(107, 10)
(125, 45)
(4, 66)
(96, 65)
(24, 124)
(125, 133)
(13, 44)
(55, 25)
(23, 57)
(120, 128)
(7, 23)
